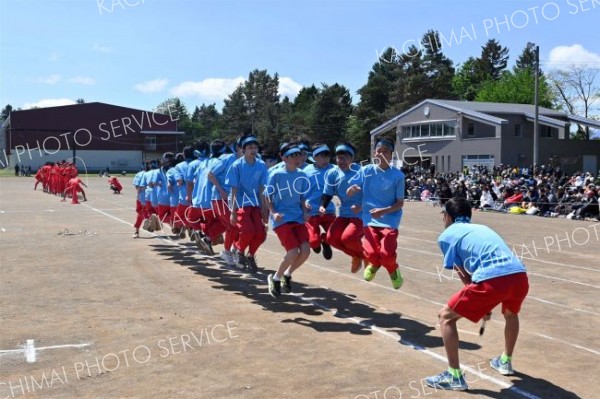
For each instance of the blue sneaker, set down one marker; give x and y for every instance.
(445, 380)
(502, 368)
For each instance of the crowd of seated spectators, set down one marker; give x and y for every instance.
(543, 191)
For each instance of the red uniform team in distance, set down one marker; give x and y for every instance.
(60, 178)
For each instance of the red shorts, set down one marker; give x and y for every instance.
(476, 300)
(292, 235)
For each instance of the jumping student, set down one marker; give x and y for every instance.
(492, 276)
(247, 178)
(179, 173)
(346, 231)
(140, 202)
(382, 187)
(161, 186)
(173, 190)
(220, 200)
(319, 218)
(289, 212)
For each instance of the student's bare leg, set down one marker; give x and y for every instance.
(448, 319)
(289, 259)
(302, 257)
(511, 331)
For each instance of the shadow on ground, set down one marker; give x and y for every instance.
(527, 386)
(356, 317)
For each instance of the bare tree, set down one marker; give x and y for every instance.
(577, 89)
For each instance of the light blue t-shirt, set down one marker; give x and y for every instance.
(172, 187)
(147, 178)
(316, 178)
(180, 174)
(480, 250)
(381, 188)
(248, 179)
(337, 182)
(192, 168)
(138, 181)
(161, 188)
(286, 191)
(220, 169)
(202, 186)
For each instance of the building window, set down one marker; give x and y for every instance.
(518, 132)
(471, 129)
(449, 128)
(426, 130)
(546, 132)
(150, 143)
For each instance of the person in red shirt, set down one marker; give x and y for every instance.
(115, 185)
(73, 187)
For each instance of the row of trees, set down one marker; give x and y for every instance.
(396, 82)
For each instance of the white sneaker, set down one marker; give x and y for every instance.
(227, 257)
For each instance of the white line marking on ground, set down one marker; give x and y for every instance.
(30, 351)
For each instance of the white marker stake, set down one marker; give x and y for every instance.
(30, 351)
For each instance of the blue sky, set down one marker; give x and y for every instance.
(137, 53)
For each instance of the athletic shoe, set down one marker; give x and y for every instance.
(397, 279)
(317, 250)
(136, 235)
(251, 261)
(502, 368)
(286, 284)
(445, 380)
(356, 264)
(370, 272)
(207, 244)
(182, 233)
(274, 286)
(327, 252)
(227, 257)
(241, 260)
(175, 230)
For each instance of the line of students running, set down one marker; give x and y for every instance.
(221, 194)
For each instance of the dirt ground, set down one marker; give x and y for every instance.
(86, 311)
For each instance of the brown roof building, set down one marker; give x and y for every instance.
(96, 135)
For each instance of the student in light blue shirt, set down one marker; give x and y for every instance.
(492, 275)
(382, 186)
(247, 177)
(320, 219)
(346, 231)
(284, 195)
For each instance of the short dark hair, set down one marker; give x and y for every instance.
(458, 206)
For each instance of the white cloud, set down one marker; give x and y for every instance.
(101, 48)
(152, 86)
(82, 80)
(51, 80)
(287, 87)
(565, 56)
(49, 102)
(211, 88)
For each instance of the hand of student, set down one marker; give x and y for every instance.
(307, 206)
(277, 216)
(356, 209)
(377, 212)
(352, 190)
(322, 210)
(488, 316)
